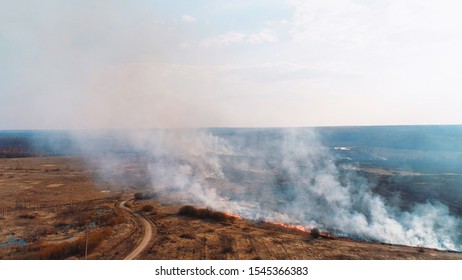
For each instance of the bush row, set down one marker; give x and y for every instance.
(204, 213)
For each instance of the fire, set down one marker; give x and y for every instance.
(306, 229)
(233, 215)
(296, 227)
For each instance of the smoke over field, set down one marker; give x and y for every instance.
(280, 175)
(242, 107)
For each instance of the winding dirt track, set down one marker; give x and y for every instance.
(147, 232)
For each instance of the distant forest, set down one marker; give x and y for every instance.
(12, 147)
(33, 144)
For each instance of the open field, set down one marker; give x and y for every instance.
(58, 208)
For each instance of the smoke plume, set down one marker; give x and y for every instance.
(284, 176)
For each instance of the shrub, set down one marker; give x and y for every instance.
(188, 210)
(61, 224)
(203, 213)
(27, 216)
(187, 236)
(110, 219)
(227, 244)
(82, 218)
(139, 196)
(34, 233)
(227, 249)
(150, 195)
(315, 233)
(147, 208)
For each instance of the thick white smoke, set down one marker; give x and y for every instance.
(183, 162)
(291, 178)
(352, 207)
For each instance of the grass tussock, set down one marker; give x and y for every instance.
(139, 196)
(26, 216)
(204, 214)
(110, 219)
(147, 208)
(187, 236)
(227, 244)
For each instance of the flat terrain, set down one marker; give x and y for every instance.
(60, 208)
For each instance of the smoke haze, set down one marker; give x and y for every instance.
(284, 176)
(123, 65)
(70, 64)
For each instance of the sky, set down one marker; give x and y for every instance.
(205, 63)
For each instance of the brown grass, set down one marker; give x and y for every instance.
(64, 250)
(110, 219)
(251, 239)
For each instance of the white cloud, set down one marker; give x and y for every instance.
(264, 36)
(275, 22)
(188, 18)
(232, 37)
(430, 16)
(353, 24)
(333, 21)
(225, 39)
(290, 73)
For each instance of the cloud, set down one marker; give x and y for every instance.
(232, 37)
(264, 36)
(332, 21)
(188, 18)
(390, 25)
(225, 39)
(276, 22)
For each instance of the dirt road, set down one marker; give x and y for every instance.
(147, 232)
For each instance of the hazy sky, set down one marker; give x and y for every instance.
(89, 64)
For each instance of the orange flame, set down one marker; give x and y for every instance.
(306, 229)
(233, 215)
(296, 227)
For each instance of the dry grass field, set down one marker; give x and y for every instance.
(58, 208)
